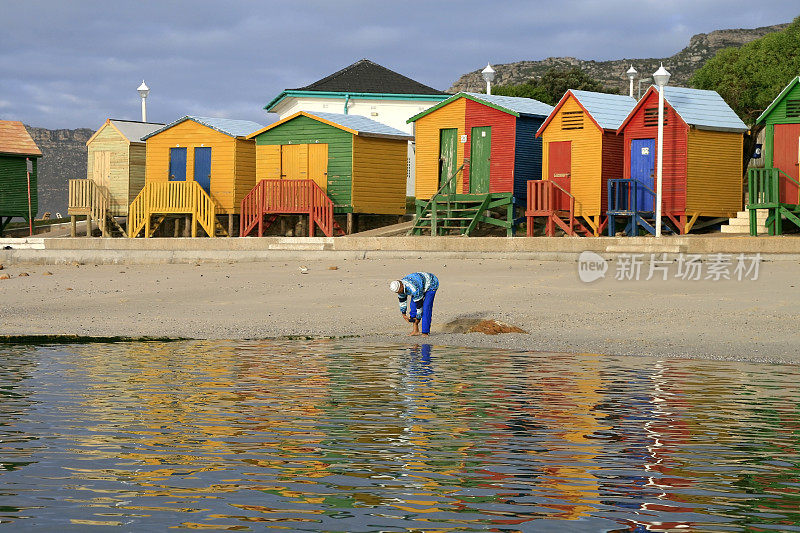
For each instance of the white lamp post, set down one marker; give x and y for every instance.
(488, 75)
(144, 90)
(641, 81)
(661, 77)
(631, 74)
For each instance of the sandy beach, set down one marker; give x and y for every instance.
(751, 320)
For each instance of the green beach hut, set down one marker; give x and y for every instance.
(16, 150)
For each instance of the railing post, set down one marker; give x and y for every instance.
(433, 217)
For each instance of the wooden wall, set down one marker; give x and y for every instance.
(379, 175)
(452, 115)
(137, 160)
(778, 116)
(501, 162)
(108, 139)
(527, 156)
(14, 186)
(714, 173)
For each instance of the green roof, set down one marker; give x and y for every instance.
(786, 90)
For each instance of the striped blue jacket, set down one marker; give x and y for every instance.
(415, 286)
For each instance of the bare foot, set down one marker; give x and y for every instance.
(414, 333)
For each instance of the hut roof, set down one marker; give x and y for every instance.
(607, 111)
(699, 108)
(355, 124)
(15, 139)
(786, 90)
(513, 105)
(365, 76)
(233, 128)
(133, 130)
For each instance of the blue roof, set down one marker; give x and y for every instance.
(362, 125)
(703, 109)
(608, 110)
(234, 128)
(523, 106)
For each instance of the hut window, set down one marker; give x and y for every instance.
(792, 108)
(572, 120)
(651, 116)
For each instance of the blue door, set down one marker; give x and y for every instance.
(177, 164)
(643, 157)
(202, 167)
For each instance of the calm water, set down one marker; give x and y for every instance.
(334, 436)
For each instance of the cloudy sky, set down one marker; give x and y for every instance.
(70, 64)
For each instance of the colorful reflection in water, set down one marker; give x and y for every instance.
(337, 436)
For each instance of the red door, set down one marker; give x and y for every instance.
(559, 164)
(786, 156)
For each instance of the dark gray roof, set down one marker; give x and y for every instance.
(133, 130)
(364, 76)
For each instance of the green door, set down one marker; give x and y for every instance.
(448, 150)
(480, 149)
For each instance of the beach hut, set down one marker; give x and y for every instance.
(775, 187)
(581, 152)
(196, 168)
(18, 194)
(115, 173)
(702, 161)
(475, 152)
(324, 163)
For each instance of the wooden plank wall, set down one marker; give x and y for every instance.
(613, 160)
(379, 175)
(137, 160)
(714, 173)
(586, 158)
(778, 116)
(426, 172)
(108, 139)
(501, 161)
(14, 186)
(527, 156)
(245, 170)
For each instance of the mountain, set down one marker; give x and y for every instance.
(63, 158)
(682, 65)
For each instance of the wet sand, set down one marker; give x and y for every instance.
(748, 320)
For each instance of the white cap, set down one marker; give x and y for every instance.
(395, 285)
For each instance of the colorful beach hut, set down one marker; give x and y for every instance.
(115, 173)
(702, 161)
(18, 195)
(196, 168)
(581, 152)
(319, 164)
(776, 187)
(475, 152)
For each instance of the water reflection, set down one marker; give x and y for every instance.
(337, 436)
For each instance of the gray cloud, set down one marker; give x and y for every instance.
(73, 64)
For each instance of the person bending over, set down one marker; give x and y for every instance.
(420, 288)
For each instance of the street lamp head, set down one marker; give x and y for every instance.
(661, 76)
(488, 73)
(631, 73)
(143, 89)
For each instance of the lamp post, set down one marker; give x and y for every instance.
(631, 73)
(661, 77)
(641, 81)
(144, 90)
(488, 75)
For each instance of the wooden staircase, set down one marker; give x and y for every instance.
(92, 200)
(271, 198)
(764, 193)
(546, 199)
(172, 198)
(623, 201)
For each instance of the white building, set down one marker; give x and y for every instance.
(367, 89)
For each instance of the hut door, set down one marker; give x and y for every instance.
(786, 156)
(102, 168)
(202, 167)
(177, 164)
(448, 152)
(293, 165)
(559, 164)
(479, 155)
(643, 157)
(318, 164)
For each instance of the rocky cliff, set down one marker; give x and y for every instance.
(682, 65)
(63, 158)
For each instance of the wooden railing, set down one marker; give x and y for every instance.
(764, 186)
(88, 198)
(543, 201)
(287, 197)
(172, 197)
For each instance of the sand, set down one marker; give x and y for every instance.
(743, 320)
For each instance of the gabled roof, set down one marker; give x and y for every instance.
(15, 139)
(607, 111)
(355, 124)
(696, 107)
(131, 130)
(786, 90)
(233, 128)
(513, 105)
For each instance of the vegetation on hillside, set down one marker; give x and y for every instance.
(552, 85)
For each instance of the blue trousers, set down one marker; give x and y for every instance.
(427, 311)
